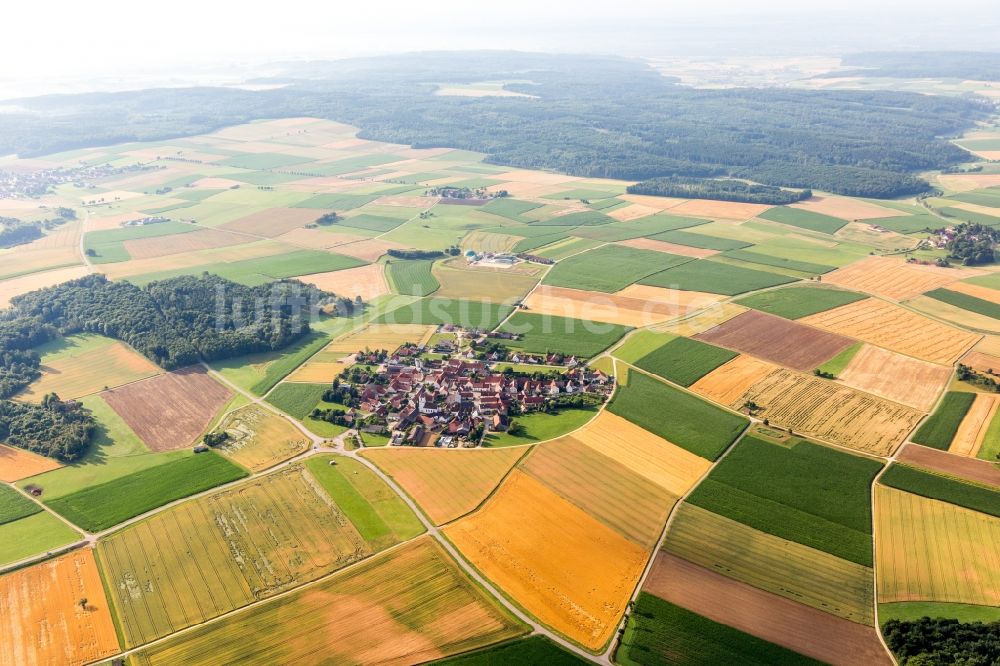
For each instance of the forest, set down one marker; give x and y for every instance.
(718, 189)
(928, 642)
(173, 322)
(976, 65)
(588, 116)
(53, 428)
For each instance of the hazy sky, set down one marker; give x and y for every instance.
(60, 39)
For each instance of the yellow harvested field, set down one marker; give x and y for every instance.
(954, 314)
(22, 285)
(651, 457)
(631, 505)
(563, 566)
(730, 381)
(202, 239)
(619, 308)
(534, 177)
(727, 210)
(317, 372)
(259, 438)
(317, 239)
(894, 279)
(971, 431)
(213, 183)
(985, 293)
(969, 181)
(44, 621)
(659, 203)
(91, 370)
(927, 550)
(846, 208)
(890, 326)
(410, 606)
(670, 248)
(981, 362)
(496, 285)
(381, 336)
(111, 221)
(367, 282)
(17, 464)
(368, 250)
(976, 208)
(274, 221)
(632, 212)
(446, 483)
(254, 250)
(900, 378)
(830, 412)
(406, 201)
(702, 320)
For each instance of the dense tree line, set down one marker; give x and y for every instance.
(720, 189)
(590, 116)
(930, 642)
(53, 428)
(14, 231)
(414, 254)
(976, 65)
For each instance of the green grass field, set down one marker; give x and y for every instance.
(659, 632)
(677, 416)
(798, 302)
(716, 278)
(966, 302)
(337, 202)
(379, 514)
(296, 399)
(836, 365)
(610, 268)
(985, 197)
(640, 343)
(807, 493)
(684, 361)
(566, 247)
(944, 488)
(107, 244)
(804, 219)
(531, 650)
(778, 262)
(105, 505)
(372, 222)
(541, 427)
(989, 450)
(258, 373)
(14, 505)
(645, 226)
(700, 240)
(587, 218)
(35, 534)
(411, 277)
(914, 610)
(938, 430)
(262, 161)
(574, 337)
(255, 272)
(962, 215)
(511, 209)
(464, 313)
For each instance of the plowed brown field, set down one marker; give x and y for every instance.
(978, 471)
(777, 339)
(169, 411)
(798, 627)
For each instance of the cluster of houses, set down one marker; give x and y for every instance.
(453, 402)
(38, 182)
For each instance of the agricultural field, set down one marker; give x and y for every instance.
(80, 365)
(432, 311)
(107, 504)
(893, 376)
(17, 464)
(886, 325)
(530, 650)
(610, 268)
(728, 383)
(798, 302)
(939, 429)
(381, 336)
(681, 418)
(777, 340)
(411, 277)
(636, 305)
(928, 550)
(33, 535)
(661, 632)
(971, 432)
(715, 277)
(497, 285)
(769, 617)
(446, 484)
(284, 517)
(776, 488)
(786, 568)
(967, 469)
(540, 426)
(409, 606)
(934, 485)
(684, 360)
(55, 612)
(574, 337)
(258, 438)
(169, 411)
(367, 282)
(562, 565)
(804, 219)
